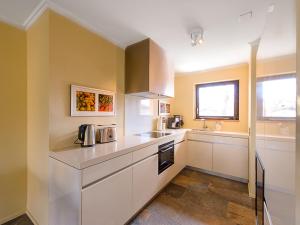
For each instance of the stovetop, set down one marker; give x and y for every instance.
(154, 134)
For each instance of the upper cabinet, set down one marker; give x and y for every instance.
(149, 72)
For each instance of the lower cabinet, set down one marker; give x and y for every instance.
(180, 156)
(108, 202)
(230, 160)
(145, 181)
(200, 155)
(226, 159)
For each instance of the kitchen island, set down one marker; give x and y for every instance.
(109, 183)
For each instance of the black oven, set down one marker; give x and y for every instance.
(260, 191)
(165, 156)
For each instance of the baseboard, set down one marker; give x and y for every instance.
(12, 216)
(33, 220)
(242, 180)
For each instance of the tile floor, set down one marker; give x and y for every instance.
(21, 220)
(196, 198)
(193, 198)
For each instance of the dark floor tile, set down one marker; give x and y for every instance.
(195, 198)
(21, 220)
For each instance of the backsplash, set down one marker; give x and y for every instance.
(140, 114)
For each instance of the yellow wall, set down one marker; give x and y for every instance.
(13, 122)
(275, 66)
(78, 56)
(185, 96)
(37, 118)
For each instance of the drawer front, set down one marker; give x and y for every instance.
(230, 160)
(144, 153)
(108, 202)
(104, 169)
(199, 155)
(219, 139)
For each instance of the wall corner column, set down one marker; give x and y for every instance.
(252, 115)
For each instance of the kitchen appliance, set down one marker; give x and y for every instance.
(165, 156)
(161, 123)
(86, 135)
(154, 134)
(175, 122)
(148, 71)
(105, 134)
(260, 192)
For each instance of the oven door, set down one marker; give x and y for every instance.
(165, 156)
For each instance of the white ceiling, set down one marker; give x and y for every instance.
(168, 22)
(17, 12)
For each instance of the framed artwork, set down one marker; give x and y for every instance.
(164, 108)
(87, 101)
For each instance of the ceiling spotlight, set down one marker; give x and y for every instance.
(271, 8)
(197, 37)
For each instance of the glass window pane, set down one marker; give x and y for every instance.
(216, 100)
(279, 98)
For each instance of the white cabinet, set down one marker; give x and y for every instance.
(200, 155)
(226, 155)
(180, 156)
(108, 202)
(230, 160)
(145, 181)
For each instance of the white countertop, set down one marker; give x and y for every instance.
(80, 158)
(221, 133)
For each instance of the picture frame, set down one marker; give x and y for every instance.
(164, 108)
(87, 101)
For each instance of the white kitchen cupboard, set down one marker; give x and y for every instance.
(145, 181)
(220, 153)
(180, 156)
(230, 160)
(108, 201)
(112, 191)
(200, 155)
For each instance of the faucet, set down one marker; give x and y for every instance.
(204, 124)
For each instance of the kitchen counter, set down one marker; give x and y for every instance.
(80, 158)
(221, 133)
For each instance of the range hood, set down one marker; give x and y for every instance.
(148, 72)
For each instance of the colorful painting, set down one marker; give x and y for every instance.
(105, 103)
(87, 101)
(164, 108)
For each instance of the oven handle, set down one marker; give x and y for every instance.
(166, 149)
(166, 146)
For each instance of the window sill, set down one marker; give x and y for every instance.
(216, 119)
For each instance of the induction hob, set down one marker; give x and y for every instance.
(154, 134)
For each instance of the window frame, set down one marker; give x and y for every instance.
(259, 100)
(236, 84)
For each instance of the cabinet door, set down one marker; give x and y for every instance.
(231, 160)
(145, 180)
(200, 155)
(109, 201)
(180, 156)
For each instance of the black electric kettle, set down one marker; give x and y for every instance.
(86, 134)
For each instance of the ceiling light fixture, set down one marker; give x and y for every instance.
(271, 8)
(197, 36)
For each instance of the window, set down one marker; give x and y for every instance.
(218, 100)
(276, 97)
